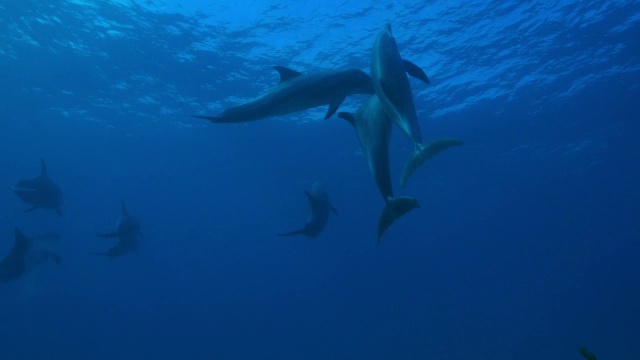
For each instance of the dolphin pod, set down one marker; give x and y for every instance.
(390, 102)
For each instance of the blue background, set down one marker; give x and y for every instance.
(526, 245)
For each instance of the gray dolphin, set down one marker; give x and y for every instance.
(320, 210)
(40, 192)
(25, 255)
(373, 126)
(388, 71)
(297, 92)
(127, 232)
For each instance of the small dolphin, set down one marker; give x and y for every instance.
(128, 235)
(373, 126)
(388, 71)
(320, 210)
(40, 192)
(297, 92)
(25, 255)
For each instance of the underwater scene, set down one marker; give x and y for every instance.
(265, 179)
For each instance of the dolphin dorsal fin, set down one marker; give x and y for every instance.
(43, 168)
(286, 74)
(124, 209)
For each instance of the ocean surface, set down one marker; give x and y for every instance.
(526, 246)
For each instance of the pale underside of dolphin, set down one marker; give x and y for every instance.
(373, 127)
(296, 92)
(320, 207)
(390, 81)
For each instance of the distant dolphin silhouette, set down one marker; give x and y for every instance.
(25, 255)
(128, 235)
(40, 192)
(320, 210)
(373, 127)
(297, 92)
(392, 87)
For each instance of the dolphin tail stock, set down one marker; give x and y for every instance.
(423, 153)
(108, 235)
(393, 210)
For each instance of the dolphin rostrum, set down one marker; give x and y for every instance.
(320, 210)
(373, 127)
(127, 232)
(390, 81)
(39, 192)
(297, 92)
(26, 254)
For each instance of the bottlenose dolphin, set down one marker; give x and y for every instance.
(127, 232)
(320, 209)
(373, 126)
(40, 192)
(297, 92)
(392, 87)
(25, 255)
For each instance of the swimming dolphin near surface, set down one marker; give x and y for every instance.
(392, 87)
(373, 126)
(128, 235)
(297, 92)
(320, 209)
(40, 192)
(26, 254)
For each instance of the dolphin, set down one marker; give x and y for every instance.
(297, 92)
(127, 232)
(320, 210)
(390, 81)
(25, 255)
(40, 192)
(373, 127)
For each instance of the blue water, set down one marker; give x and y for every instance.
(526, 245)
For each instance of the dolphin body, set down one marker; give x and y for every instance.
(297, 92)
(127, 232)
(40, 192)
(373, 127)
(25, 255)
(392, 86)
(320, 210)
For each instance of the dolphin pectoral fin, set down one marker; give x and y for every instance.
(393, 210)
(333, 106)
(286, 74)
(213, 119)
(350, 117)
(108, 235)
(30, 209)
(423, 153)
(415, 71)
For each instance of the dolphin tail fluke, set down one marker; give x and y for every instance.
(213, 119)
(423, 153)
(395, 209)
(108, 235)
